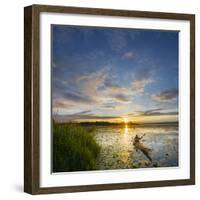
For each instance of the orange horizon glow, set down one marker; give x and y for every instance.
(125, 120)
(136, 119)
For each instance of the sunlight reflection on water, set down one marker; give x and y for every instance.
(126, 129)
(118, 152)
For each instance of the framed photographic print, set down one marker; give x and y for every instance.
(109, 99)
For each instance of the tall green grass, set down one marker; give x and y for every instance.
(74, 148)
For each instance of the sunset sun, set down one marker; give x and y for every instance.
(125, 120)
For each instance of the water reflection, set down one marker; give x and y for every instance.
(126, 129)
(119, 152)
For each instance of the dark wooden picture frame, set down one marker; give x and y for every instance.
(32, 93)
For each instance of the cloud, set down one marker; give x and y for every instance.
(111, 85)
(98, 69)
(79, 90)
(144, 72)
(87, 115)
(83, 115)
(96, 89)
(116, 92)
(111, 105)
(129, 55)
(91, 82)
(153, 112)
(75, 97)
(60, 103)
(96, 86)
(166, 96)
(116, 39)
(83, 112)
(119, 39)
(160, 113)
(138, 86)
(79, 115)
(114, 88)
(141, 79)
(122, 98)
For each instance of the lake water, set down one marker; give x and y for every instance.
(118, 151)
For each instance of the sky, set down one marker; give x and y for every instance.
(114, 74)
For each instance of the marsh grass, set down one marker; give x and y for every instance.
(74, 148)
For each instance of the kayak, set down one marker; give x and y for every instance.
(145, 150)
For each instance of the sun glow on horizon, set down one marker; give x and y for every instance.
(125, 120)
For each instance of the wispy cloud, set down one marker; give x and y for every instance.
(129, 55)
(122, 98)
(119, 39)
(142, 78)
(98, 88)
(75, 97)
(83, 115)
(116, 39)
(151, 115)
(109, 71)
(59, 103)
(80, 89)
(138, 86)
(153, 112)
(90, 82)
(166, 96)
(111, 105)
